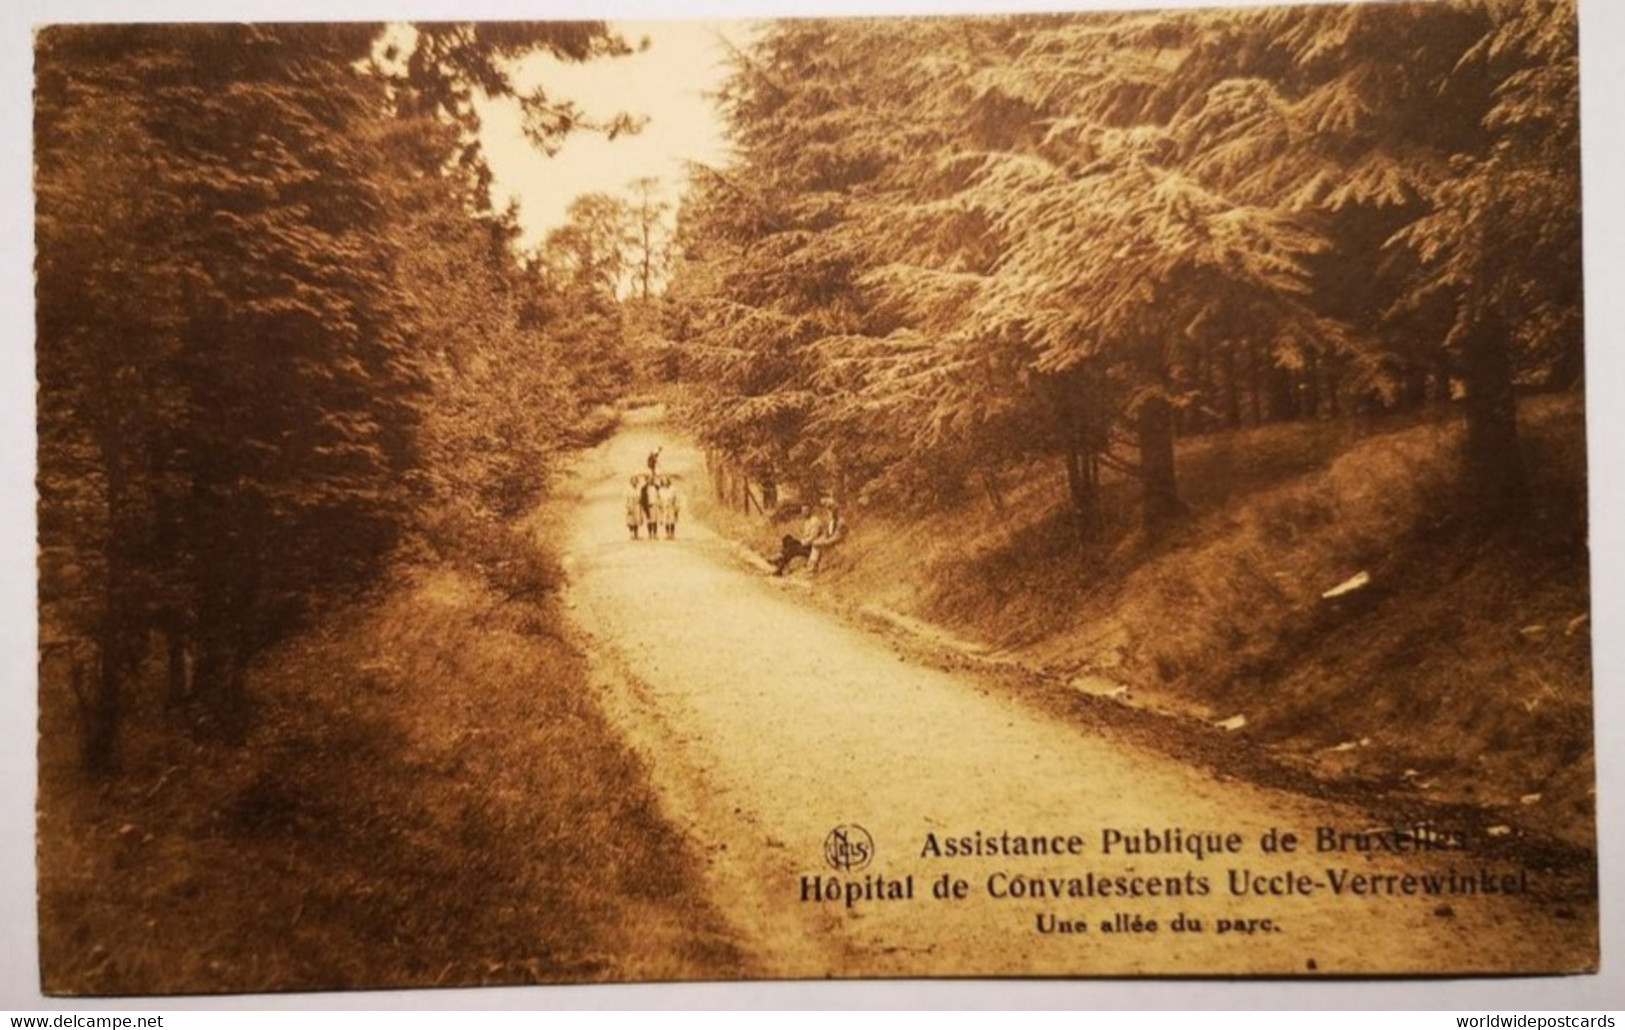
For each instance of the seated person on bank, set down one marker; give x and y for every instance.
(822, 530)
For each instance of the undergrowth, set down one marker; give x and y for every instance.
(428, 796)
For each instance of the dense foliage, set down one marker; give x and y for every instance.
(280, 332)
(948, 248)
(283, 332)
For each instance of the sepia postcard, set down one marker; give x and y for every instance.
(1088, 494)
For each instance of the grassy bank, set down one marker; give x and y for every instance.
(429, 796)
(1461, 673)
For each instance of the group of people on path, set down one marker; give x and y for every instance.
(653, 502)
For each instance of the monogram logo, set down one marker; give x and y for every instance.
(849, 848)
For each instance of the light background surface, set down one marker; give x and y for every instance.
(1603, 100)
(666, 84)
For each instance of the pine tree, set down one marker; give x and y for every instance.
(224, 335)
(956, 245)
(1498, 249)
(251, 240)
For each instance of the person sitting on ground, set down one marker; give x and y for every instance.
(797, 545)
(821, 531)
(670, 506)
(830, 531)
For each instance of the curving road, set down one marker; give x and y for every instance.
(768, 724)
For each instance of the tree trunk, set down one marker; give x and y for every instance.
(1282, 402)
(1196, 419)
(209, 663)
(1412, 389)
(719, 476)
(1494, 460)
(646, 272)
(1255, 387)
(1083, 489)
(179, 680)
(1232, 391)
(1160, 500)
(117, 634)
(1569, 367)
(1081, 452)
(106, 702)
(234, 697)
(1311, 387)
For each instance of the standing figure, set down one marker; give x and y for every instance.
(670, 507)
(654, 460)
(649, 506)
(634, 514)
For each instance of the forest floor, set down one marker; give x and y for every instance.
(776, 720)
(429, 796)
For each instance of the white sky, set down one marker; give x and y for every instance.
(668, 84)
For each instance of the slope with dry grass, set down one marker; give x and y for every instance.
(1461, 673)
(429, 796)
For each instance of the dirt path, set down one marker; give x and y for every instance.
(767, 724)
